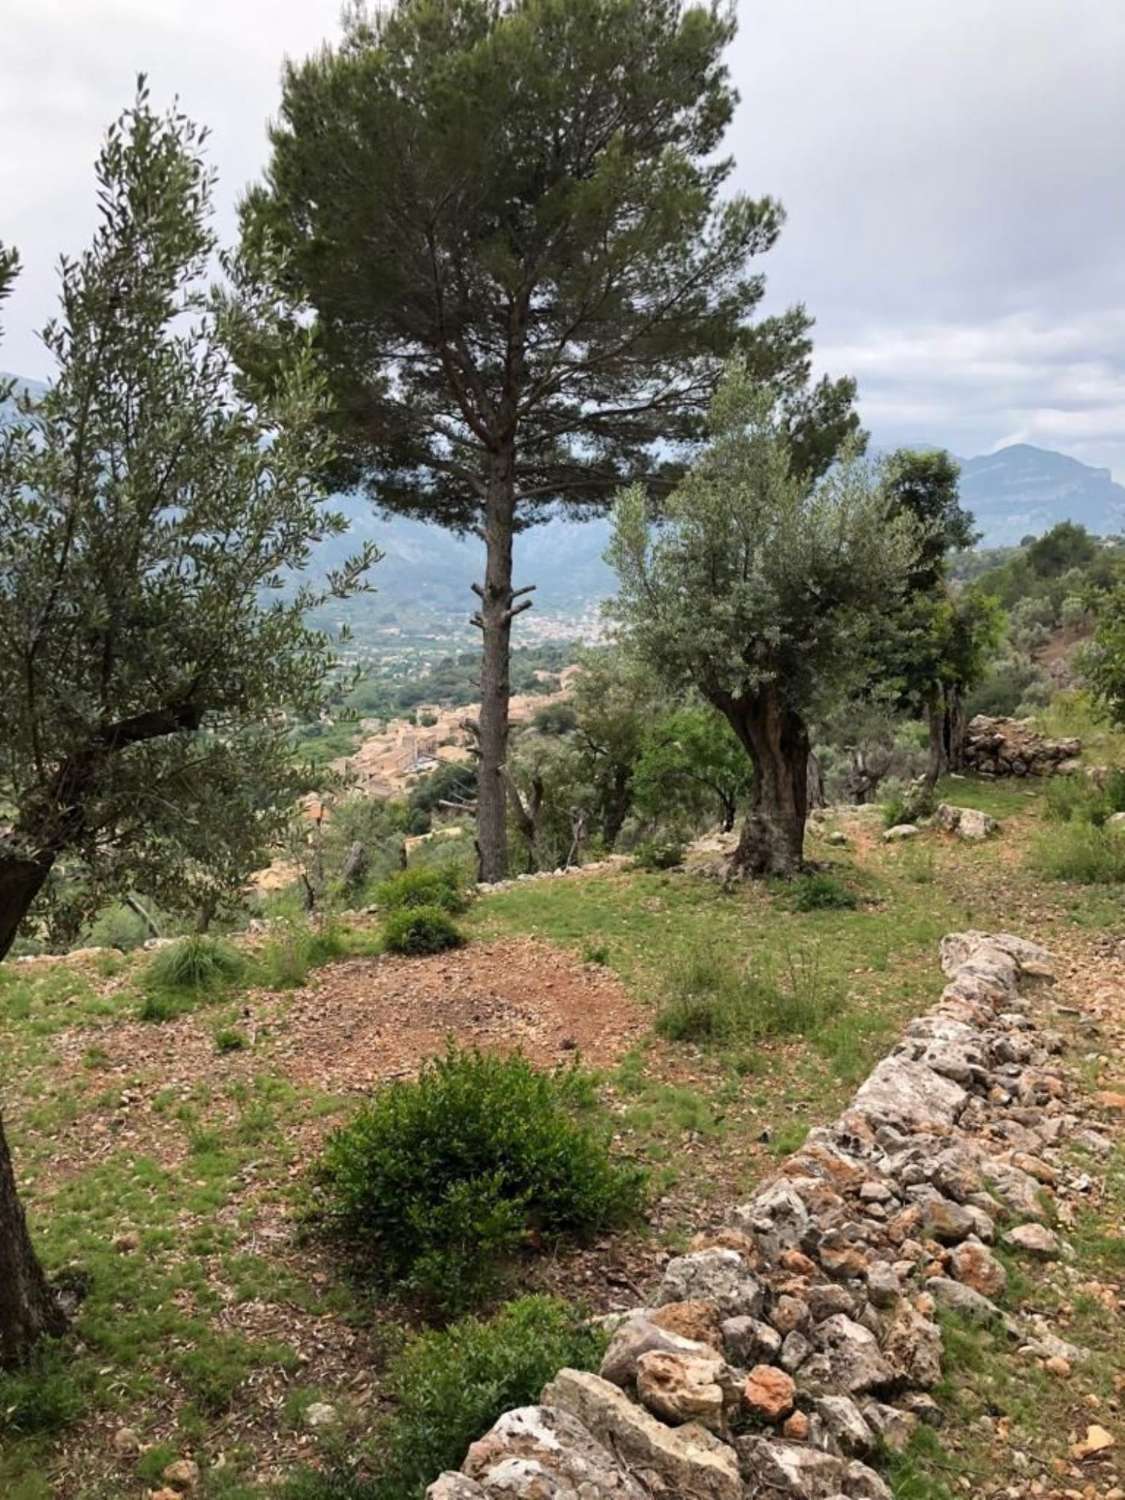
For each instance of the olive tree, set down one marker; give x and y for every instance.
(146, 512)
(759, 589)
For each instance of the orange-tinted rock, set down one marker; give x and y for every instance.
(769, 1392)
(795, 1427)
(698, 1321)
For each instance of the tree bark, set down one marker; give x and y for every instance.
(955, 728)
(494, 617)
(28, 1307)
(617, 804)
(21, 880)
(935, 718)
(772, 840)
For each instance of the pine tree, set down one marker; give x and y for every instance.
(504, 220)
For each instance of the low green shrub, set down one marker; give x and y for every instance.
(821, 892)
(430, 885)
(659, 854)
(416, 930)
(906, 804)
(1075, 799)
(230, 1039)
(451, 1386)
(195, 963)
(445, 1177)
(188, 971)
(1080, 851)
(294, 948)
(117, 926)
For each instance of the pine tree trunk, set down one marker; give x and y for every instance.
(495, 620)
(28, 1307)
(772, 840)
(21, 880)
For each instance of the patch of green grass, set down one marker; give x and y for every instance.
(821, 892)
(293, 949)
(1081, 852)
(231, 1039)
(44, 1396)
(709, 1001)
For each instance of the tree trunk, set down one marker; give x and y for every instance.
(497, 610)
(955, 728)
(773, 836)
(28, 1307)
(21, 880)
(617, 805)
(935, 719)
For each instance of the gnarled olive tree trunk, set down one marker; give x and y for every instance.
(772, 840)
(28, 1307)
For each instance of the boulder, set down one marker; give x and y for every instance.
(1034, 1239)
(640, 1335)
(720, 1277)
(798, 1470)
(698, 1321)
(844, 1425)
(912, 1347)
(892, 1427)
(855, 1360)
(955, 1296)
(542, 1450)
(976, 1266)
(769, 1393)
(682, 1387)
(688, 1461)
(909, 1096)
(900, 832)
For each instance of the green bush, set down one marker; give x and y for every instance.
(446, 1176)
(821, 892)
(1076, 799)
(189, 970)
(294, 948)
(450, 1387)
(195, 963)
(433, 885)
(659, 854)
(417, 930)
(1080, 851)
(117, 926)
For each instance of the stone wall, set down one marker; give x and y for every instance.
(1014, 747)
(787, 1347)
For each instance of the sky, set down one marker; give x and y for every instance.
(953, 173)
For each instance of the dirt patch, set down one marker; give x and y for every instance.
(370, 1019)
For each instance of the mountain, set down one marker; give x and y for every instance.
(1023, 491)
(423, 582)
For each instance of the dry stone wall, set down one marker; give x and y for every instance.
(1014, 747)
(784, 1350)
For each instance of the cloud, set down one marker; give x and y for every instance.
(952, 176)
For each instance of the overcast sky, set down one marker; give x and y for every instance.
(953, 171)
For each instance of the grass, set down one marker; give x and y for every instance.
(1080, 852)
(208, 1317)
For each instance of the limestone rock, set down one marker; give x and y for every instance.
(883, 1284)
(909, 1096)
(748, 1341)
(947, 1221)
(1034, 1239)
(720, 1277)
(956, 1296)
(545, 1450)
(853, 1353)
(797, 1470)
(638, 1336)
(682, 1387)
(894, 1428)
(698, 1321)
(900, 832)
(913, 1347)
(688, 1462)
(450, 1486)
(183, 1473)
(845, 1425)
(978, 1268)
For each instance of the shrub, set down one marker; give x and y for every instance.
(445, 1176)
(433, 885)
(659, 854)
(117, 926)
(821, 892)
(230, 1039)
(192, 969)
(1081, 851)
(294, 948)
(416, 930)
(1076, 799)
(452, 1386)
(195, 963)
